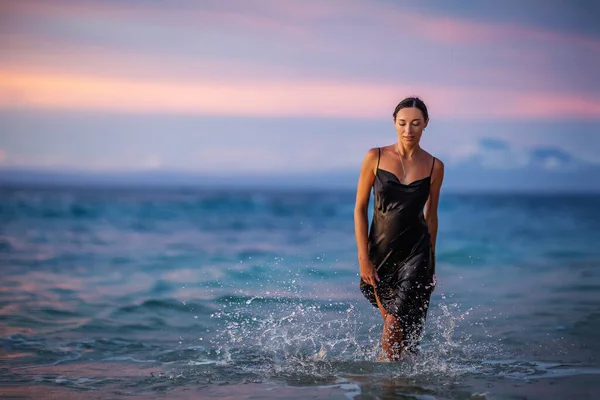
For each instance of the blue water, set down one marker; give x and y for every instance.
(205, 293)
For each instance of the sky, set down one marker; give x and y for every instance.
(300, 90)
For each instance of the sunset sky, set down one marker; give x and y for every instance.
(256, 87)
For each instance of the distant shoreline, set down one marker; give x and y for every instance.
(460, 181)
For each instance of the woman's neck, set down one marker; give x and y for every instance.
(408, 151)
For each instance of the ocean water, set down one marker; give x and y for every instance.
(247, 294)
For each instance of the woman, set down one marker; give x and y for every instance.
(397, 256)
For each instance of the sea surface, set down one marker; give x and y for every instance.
(173, 293)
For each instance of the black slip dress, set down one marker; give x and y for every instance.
(399, 247)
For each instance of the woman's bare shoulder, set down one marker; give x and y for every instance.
(431, 156)
(372, 155)
(439, 164)
(437, 170)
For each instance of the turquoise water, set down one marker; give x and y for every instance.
(200, 293)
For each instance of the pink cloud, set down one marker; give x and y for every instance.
(459, 31)
(192, 15)
(39, 72)
(301, 19)
(309, 23)
(559, 107)
(273, 98)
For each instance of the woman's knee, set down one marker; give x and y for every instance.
(391, 322)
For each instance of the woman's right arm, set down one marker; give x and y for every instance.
(363, 190)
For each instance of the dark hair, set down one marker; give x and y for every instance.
(412, 102)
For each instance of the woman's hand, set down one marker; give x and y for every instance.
(368, 273)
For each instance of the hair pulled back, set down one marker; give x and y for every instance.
(412, 102)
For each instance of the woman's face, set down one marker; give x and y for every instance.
(409, 125)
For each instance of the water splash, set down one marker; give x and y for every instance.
(286, 336)
(275, 337)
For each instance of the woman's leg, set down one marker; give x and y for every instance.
(391, 340)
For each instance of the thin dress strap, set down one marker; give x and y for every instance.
(432, 165)
(377, 169)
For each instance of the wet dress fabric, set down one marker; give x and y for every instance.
(399, 247)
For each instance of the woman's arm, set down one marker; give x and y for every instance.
(431, 207)
(363, 190)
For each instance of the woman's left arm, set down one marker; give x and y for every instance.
(431, 207)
